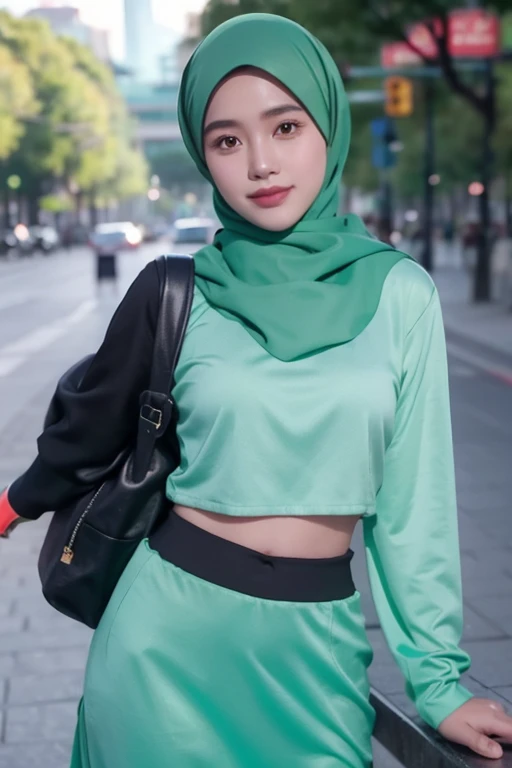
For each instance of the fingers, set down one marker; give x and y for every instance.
(480, 743)
(498, 725)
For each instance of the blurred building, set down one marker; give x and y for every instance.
(65, 20)
(190, 40)
(149, 47)
(154, 108)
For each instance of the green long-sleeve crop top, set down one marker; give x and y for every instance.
(362, 428)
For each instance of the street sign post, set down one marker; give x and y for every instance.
(366, 97)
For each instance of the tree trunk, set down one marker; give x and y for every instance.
(93, 211)
(7, 215)
(482, 276)
(33, 210)
(508, 204)
(78, 207)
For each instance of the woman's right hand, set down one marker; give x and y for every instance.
(9, 520)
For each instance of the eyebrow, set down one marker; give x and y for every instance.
(273, 112)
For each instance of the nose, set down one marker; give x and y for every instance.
(263, 161)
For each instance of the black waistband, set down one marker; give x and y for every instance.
(239, 568)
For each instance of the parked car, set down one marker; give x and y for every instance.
(46, 238)
(115, 236)
(16, 241)
(155, 231)
(193, 231)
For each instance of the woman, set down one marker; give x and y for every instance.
(312, 392)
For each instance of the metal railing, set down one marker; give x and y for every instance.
(414, 744)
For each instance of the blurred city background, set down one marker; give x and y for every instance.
(95, 181)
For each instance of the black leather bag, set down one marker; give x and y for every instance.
(89, 543)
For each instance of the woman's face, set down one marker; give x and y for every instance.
(263, 150)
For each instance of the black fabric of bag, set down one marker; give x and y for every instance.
(89, 542)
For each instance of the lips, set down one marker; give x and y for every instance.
(268, 192)
(269, 197)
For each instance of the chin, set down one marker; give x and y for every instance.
(274, 220)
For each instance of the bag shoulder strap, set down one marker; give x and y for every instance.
(176, 273)
(176, 280)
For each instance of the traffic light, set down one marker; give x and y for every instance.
(399, 96)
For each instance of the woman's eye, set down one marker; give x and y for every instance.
(288, 128)
(227, 142)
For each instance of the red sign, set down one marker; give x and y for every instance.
(471, 34)
(398, 55)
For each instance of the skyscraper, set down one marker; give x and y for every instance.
(145, 41)
(139, 26)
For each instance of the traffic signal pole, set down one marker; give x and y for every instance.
(482, 282)
(428, 216)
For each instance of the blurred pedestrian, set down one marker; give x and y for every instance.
(105, 248)
(311, 392)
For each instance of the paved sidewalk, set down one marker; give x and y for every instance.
(486, 324)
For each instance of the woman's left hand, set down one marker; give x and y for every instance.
(472, 723)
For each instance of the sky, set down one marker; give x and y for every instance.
(108, 14)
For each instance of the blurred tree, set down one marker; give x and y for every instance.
(17, 101)
(503, 138)
(177, 170)
(81, 134)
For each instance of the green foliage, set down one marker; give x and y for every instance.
(56, 203)
(17, 101)
(70, 123)
(176, 169)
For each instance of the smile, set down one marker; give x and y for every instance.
(271, 197)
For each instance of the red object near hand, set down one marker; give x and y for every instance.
(7, 513)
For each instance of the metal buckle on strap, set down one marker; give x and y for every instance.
(153, 415)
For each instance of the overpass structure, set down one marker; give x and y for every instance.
(153, 105)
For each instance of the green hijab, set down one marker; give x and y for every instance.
(318, 283)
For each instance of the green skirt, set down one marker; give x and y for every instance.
(186, 673)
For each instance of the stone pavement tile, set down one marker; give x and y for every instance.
(38, 755)
(498, 610)
(386, 678)
(484, 579)
(381, 757)
(39, 689)
(51, 661)
(7, 664)
(403, 703)
(501, 555)
(6, 606)
(31, 641)
(491, 661)
(42, 722)
(12, 624)
(384, 673)
(496, 523)
(506, 693)
(43, 621)
(483, 500)
(470, 532)
(478, 628)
